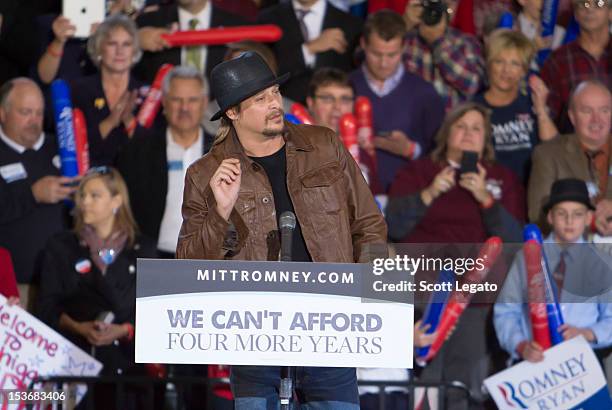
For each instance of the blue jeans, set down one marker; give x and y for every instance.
(316, 388)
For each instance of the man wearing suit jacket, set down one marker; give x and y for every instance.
(315, 34)
(584, 155)
(181, 15)
(154, 165)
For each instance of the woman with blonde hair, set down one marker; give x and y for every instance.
(519, 115)
(88, 280)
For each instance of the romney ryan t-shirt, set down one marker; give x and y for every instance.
(515, 133)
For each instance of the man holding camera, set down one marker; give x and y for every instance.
(449, 59)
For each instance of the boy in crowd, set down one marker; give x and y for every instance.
(581, 280)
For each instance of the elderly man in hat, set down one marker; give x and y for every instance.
(259, 167)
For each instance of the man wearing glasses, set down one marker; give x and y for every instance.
(407, 109)
(330, 96)
(588, 57)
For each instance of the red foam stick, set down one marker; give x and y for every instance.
(536, 293)
(150, 106)
(348, 133)
(265, 33)
(459, 300)
(365, 122)
(301, 113)
(80, 140)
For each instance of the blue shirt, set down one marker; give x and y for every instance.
(585, 298)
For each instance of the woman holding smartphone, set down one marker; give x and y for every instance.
(458, 194)
(434, 200)
(88, 280)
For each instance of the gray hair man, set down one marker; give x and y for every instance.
(154, 165)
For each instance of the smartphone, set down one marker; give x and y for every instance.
(84, 13)
(106, 317)
(468, 162)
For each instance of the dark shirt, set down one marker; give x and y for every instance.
(72, 284)
(515, 134)
(275, 166)
(25, 225)
(88, 95)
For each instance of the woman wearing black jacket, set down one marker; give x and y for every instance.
(88, 281)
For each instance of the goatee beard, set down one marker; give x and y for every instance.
(271, 132)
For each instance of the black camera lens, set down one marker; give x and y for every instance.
(433, 10)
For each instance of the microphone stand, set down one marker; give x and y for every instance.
(287, 222)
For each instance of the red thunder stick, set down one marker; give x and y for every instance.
(80, 140)
(365, 122)
(301, 113)
(459, 300)
(150, 106)
(536, 293)
(348, 133)
(265, 33)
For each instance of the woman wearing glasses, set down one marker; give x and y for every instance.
(88, 280)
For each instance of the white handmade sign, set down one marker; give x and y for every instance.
(29, 349)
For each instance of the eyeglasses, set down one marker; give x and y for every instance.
(330, 99)
(585, 5)
(100, 170)
(562, 214)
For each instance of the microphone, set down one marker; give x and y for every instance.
(286, 224)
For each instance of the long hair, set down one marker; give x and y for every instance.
(226, 126)
(488, 153)
(124, 220)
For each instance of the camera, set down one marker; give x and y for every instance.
(433, 11)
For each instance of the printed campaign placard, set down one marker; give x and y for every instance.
(261, 313)
(30, 349)
(569, 377)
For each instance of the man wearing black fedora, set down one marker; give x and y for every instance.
(581, 279)
(258, 168)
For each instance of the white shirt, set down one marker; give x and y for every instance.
(530, 30)
(18, 147)
(204, 17)
(314, 24)
(179, 159)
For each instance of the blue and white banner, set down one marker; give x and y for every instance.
(569, 378)
(266, 313)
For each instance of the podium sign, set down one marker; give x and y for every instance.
(569, 378)
(266, 313)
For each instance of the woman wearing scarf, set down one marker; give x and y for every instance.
(88, 280)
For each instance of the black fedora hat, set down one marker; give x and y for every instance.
(569, 189)
(236, 80)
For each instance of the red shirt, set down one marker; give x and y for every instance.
(456, 217)
(8, 284)
(567, 67)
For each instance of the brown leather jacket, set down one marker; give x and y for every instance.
(337, 213)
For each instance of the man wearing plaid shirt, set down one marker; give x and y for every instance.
(588, 57)
(449, 59)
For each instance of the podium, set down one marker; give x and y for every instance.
(269, 314)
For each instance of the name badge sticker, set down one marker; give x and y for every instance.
(13, 172)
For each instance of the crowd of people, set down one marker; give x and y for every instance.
(540, 129)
